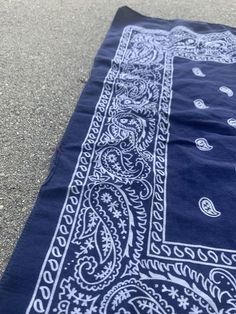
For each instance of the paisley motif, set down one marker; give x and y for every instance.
(232, 122)
(139, 82)
(203, 145)
(143, 105)
(103, 230)
(189, 290)
(226, 90)
(132, 296)
(106, 233)
(105, 256)
(208, 208)
(121, 164)
(198, 72)
(199, 104)
(140, 130)
(143, 50)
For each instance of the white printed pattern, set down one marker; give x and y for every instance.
(190, 289)
(226, 90)
(198, 72)
(119, 145)
(208, 208)
(199, 103)
(157, 245)
(232, 122)
(203, 145)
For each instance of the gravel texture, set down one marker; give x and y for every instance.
(47, 48)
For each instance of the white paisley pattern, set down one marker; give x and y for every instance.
(104, 221)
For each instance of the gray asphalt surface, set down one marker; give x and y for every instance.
(47, 49)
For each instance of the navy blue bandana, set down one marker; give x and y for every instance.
(138, 212)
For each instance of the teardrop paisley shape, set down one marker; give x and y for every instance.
(232, 122)
(208, 208)
(198, 72)
(202, 144)
(199, 104)
(228, 91)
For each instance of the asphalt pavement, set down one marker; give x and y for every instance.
(47, 49)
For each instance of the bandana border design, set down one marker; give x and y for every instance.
(181, 42)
